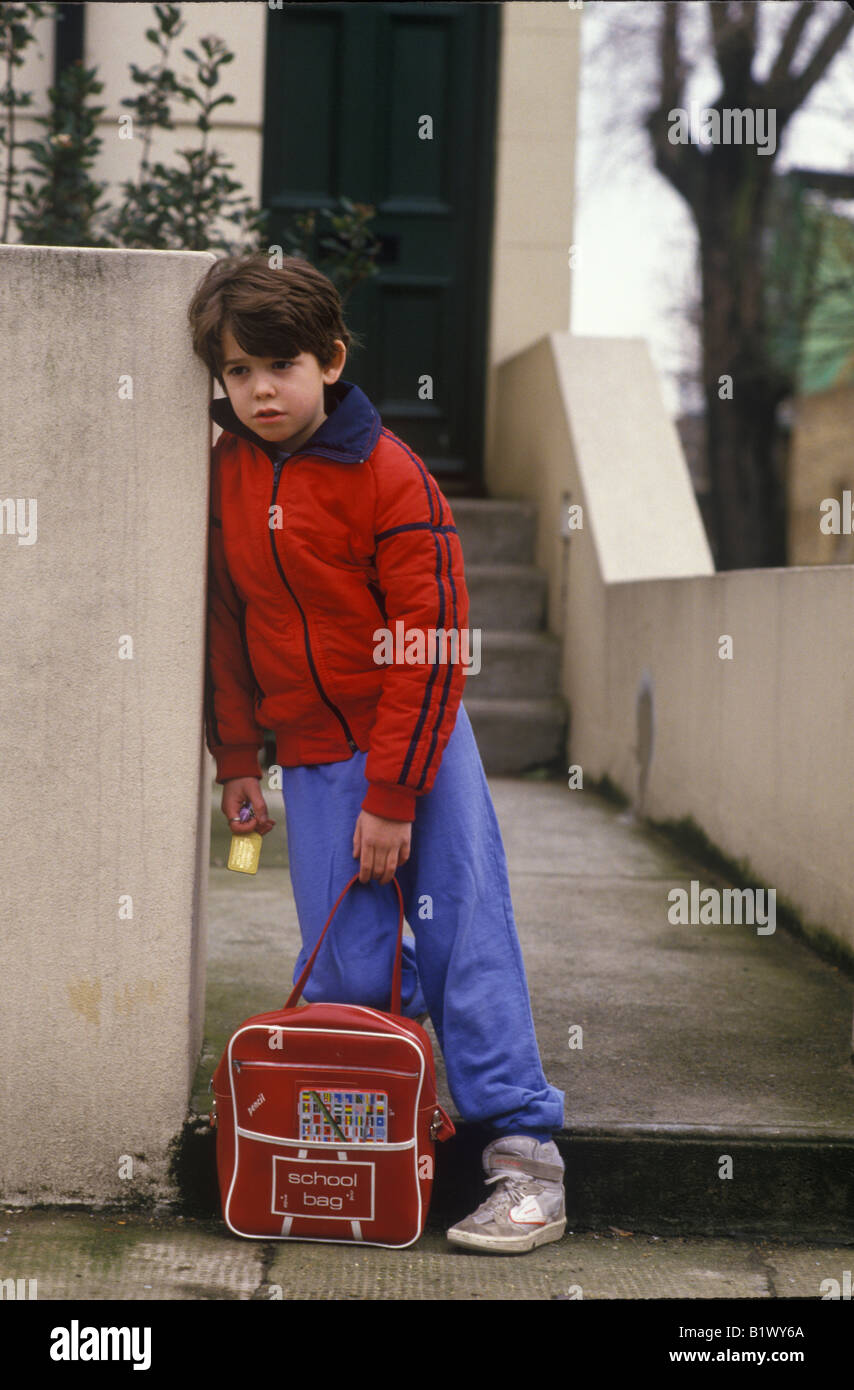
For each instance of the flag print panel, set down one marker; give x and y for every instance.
(353, 1117)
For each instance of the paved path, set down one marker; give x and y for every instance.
(82, 1256)
(716, 1027)
(692, 1036)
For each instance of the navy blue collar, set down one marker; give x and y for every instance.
(347, 435)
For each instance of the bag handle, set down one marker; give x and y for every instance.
(398, 957)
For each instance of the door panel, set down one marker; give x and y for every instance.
(348, 88)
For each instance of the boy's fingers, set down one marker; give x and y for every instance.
(391, 861)
(377, 860)
(259, 821)
(366, 865)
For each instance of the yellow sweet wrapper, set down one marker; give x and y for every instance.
(245, 853)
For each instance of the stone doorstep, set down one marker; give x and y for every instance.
(518, 735)
(516, 665)
(506, 597)
(663, 1180)
(674, 1182)
(492, 530)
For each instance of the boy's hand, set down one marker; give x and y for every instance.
(381, 845)
(235, 794)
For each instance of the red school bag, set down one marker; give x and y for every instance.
(326, 1119)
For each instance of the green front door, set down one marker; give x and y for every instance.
(393, 105)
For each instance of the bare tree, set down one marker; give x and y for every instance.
(726, 185)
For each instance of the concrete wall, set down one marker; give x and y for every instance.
(758, 749)
(103, 771)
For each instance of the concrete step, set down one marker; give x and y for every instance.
(506, 596)
(493, 530)
(516, 665)
(516, 736)
(672, 1181)
(514, 702)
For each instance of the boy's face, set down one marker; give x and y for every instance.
(280, 398)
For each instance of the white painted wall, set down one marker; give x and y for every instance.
(115, 36)
(535, 156)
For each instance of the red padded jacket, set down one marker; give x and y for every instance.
(310, 554)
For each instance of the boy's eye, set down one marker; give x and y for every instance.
(278, 362)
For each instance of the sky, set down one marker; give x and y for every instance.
(636, 258)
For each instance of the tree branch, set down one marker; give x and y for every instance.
(677, 162)
(734, 37)
(789, 43)
(789, 95)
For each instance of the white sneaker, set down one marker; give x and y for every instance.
(526, 1209)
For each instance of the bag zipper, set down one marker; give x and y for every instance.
(319, 1066)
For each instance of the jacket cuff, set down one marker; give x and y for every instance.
(237, 760)
(390, 802)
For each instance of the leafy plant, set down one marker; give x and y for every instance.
(15, 38)
(62, 208)
(351, 247)
(178, 207)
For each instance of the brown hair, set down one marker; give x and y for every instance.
(269, 311)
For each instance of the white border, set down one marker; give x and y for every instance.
(327, 1143)
(327, 1215)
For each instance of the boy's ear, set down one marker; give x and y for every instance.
(336, 366)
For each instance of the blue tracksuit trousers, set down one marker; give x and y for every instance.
(465, 967)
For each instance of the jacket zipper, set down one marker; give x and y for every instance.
(351, 742)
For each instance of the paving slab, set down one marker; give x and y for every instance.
(96, 1256)
(105, 1255)
(578, 1267)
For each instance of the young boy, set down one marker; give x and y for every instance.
(326, 528)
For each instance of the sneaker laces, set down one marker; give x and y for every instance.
(510, 1195)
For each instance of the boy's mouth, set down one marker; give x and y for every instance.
(268, 414)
